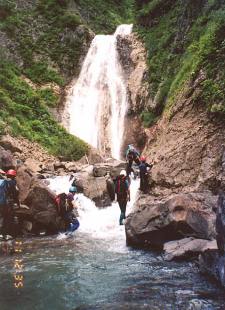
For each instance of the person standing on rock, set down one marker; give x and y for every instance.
(12, 189)
(122, 192)
(3, 192)
(143, 168)
(9, 196)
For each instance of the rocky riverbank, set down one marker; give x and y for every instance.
(38, 212)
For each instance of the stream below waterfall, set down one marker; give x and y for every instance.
(96, 270)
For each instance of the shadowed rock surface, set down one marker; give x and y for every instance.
(155, 222)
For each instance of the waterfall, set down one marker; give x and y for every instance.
(97, 102)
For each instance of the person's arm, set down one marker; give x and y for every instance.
(128, 190)
(128, 194)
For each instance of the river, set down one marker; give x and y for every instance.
(96, 270)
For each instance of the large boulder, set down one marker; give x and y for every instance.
(155, 221)
(186, 248)
(42, 204)
(213, 264)
(24, 180)
(93, 187)
(11, 144)
(220, 223)
(112, 167)
(6, 159)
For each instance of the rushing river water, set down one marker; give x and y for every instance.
(96, 270)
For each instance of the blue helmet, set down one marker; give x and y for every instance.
(73, 189)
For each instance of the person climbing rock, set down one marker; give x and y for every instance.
(122, 192)
(68, 210)
(71, 214)
(132, 155)
(143, 168)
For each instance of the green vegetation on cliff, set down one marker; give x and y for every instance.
(24, 112)
(42, 45)
(186, 42)
(105, 16)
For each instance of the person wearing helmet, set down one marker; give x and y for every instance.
(132, 155)
(122, 192)
(12, 191)
(143, 169)
(3, 203)
(71, 214)
(9, 196)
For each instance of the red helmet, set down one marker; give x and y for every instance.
(11, 172)
(143, 158)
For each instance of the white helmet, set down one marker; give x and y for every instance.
(123, 172)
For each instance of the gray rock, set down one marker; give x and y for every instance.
(42, 204)
(9, 144)
(186, 248)
(156, 221)
(113, 168)
(213, 264)
(6, 159)
(24, 180)
(220, 223)
(93, 187)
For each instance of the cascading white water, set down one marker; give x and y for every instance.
(97, 103)
(99, 223)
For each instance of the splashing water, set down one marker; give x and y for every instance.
(98, 223)
(97, 103)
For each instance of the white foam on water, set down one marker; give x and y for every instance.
(98, 223)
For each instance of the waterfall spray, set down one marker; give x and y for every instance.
(97, 103)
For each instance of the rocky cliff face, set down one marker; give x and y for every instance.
(132, 56)
(186, 143)
(187, 147)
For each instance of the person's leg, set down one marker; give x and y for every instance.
(141, 182)
(122, 205)
(130, 162)
(145, 183)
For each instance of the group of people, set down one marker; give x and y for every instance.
(9, 200)
(65, 203)
(122, 182)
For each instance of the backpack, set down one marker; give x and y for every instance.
(121, 186)
(61, 202)
(3, 192)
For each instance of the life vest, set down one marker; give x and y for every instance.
(61, 203)
(121, 186)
